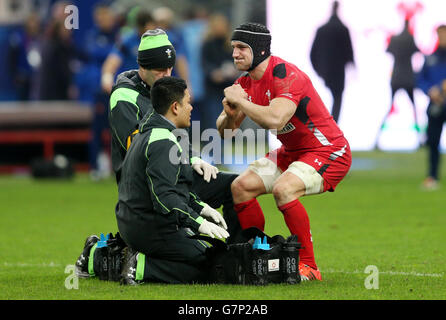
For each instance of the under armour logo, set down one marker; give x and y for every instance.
(169, 53)
(318, 162)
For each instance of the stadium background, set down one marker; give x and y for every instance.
(367, 96)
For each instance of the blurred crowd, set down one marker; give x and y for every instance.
(45, 63)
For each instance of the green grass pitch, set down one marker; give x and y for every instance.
(378, 216)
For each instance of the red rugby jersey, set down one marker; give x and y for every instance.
(312, 126)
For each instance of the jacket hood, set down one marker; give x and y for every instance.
(127, 77)
(131, 79)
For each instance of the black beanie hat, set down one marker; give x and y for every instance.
(155, 50)
(257, 37)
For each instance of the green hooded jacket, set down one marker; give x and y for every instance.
(156, 177)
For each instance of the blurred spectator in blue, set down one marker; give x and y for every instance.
(164, 19)
(218, 68)
(98, 44)
(59, 55)
(124, 53)
(432, 80)
(194, 29)
(402, 46)
(23, 57)
(330, 53)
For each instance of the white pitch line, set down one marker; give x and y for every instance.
(393, 273)
(33, 265)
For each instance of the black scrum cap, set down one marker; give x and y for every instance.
(257, 37)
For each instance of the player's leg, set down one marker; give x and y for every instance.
(258, 179)
(311, 173)
(245, 189)
(300, 179)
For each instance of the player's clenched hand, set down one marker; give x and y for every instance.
(213, 215)
(231, 110)
(235, 93)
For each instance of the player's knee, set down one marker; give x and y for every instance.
(239, 186)
(280, 191)
(243, 189)
(285, 192)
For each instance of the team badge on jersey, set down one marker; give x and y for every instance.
(268, 94)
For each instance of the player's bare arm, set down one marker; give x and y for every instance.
(230, 118)
(275, 116)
